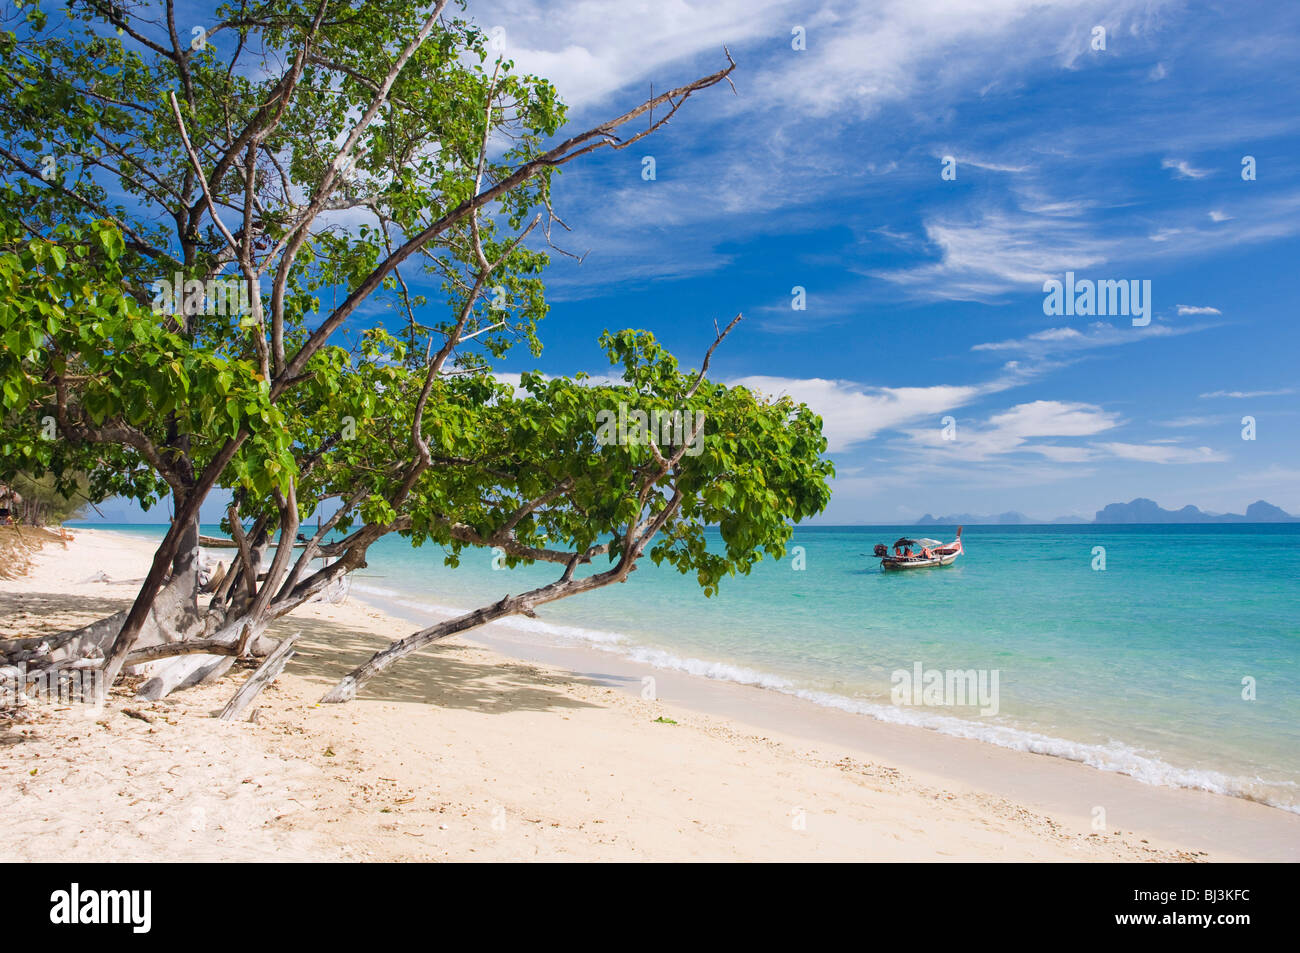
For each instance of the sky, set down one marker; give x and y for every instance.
(920, 169)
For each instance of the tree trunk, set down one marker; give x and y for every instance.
(183, 525)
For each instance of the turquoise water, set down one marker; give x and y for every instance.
(1138, 668)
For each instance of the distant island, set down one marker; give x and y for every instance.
(1140, 510)
(953, 519)
(1147, 511)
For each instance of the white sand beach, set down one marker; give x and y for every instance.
(466, 753)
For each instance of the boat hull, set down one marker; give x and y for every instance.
(892, 563)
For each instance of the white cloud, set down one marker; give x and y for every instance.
(1027, 429)
(1052, 418)
(1012, 430)
(852, 413)
(987, 253)
(863, 56)
(1244, 394)
(964, 159)
(1056, 341)
(1196, 309)
(858, 57)
(1184, 169)
(1063, 454)
(997, 252)
(590, 49)
(1162, 453)
(1192, 421)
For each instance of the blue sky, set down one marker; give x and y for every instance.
(925, 295)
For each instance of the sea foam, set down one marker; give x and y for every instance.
(1114, 756)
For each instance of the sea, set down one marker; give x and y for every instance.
(1170, 653)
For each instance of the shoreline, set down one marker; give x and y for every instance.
(542, 752)
(1066, 788)
(579, 648)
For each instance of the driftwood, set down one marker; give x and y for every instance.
(155, 653)
(173, 618)
(176, 648)
(218, 542)
(85, 642)
(265, 675)
(201, 660)
(184, 672)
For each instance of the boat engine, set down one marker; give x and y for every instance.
(881, 551)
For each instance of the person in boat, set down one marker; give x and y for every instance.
(925, 552)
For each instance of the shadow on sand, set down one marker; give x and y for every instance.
(441, 675)
(445, 675)
(48, 612)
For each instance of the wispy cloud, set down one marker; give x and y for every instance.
(592, 50)
(853, 413)
(1057, 341)
(1195, 421)
(965, 159)
(983, 254)
(1246, 394)
(998, 252)
(1162, 453)
(1012, 431)
(1184, 169)
(1184, 309)
(1036, 428)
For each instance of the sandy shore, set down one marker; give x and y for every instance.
(466, 753)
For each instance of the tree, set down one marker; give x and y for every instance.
(229, 162)
(698, 454)
(42, 502)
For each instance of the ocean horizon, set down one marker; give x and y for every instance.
(1166, 652)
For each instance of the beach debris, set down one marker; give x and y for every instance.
(138, 715)
(661, 720)
(99, 576)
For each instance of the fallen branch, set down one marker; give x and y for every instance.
(191, 647)
(265, 675)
